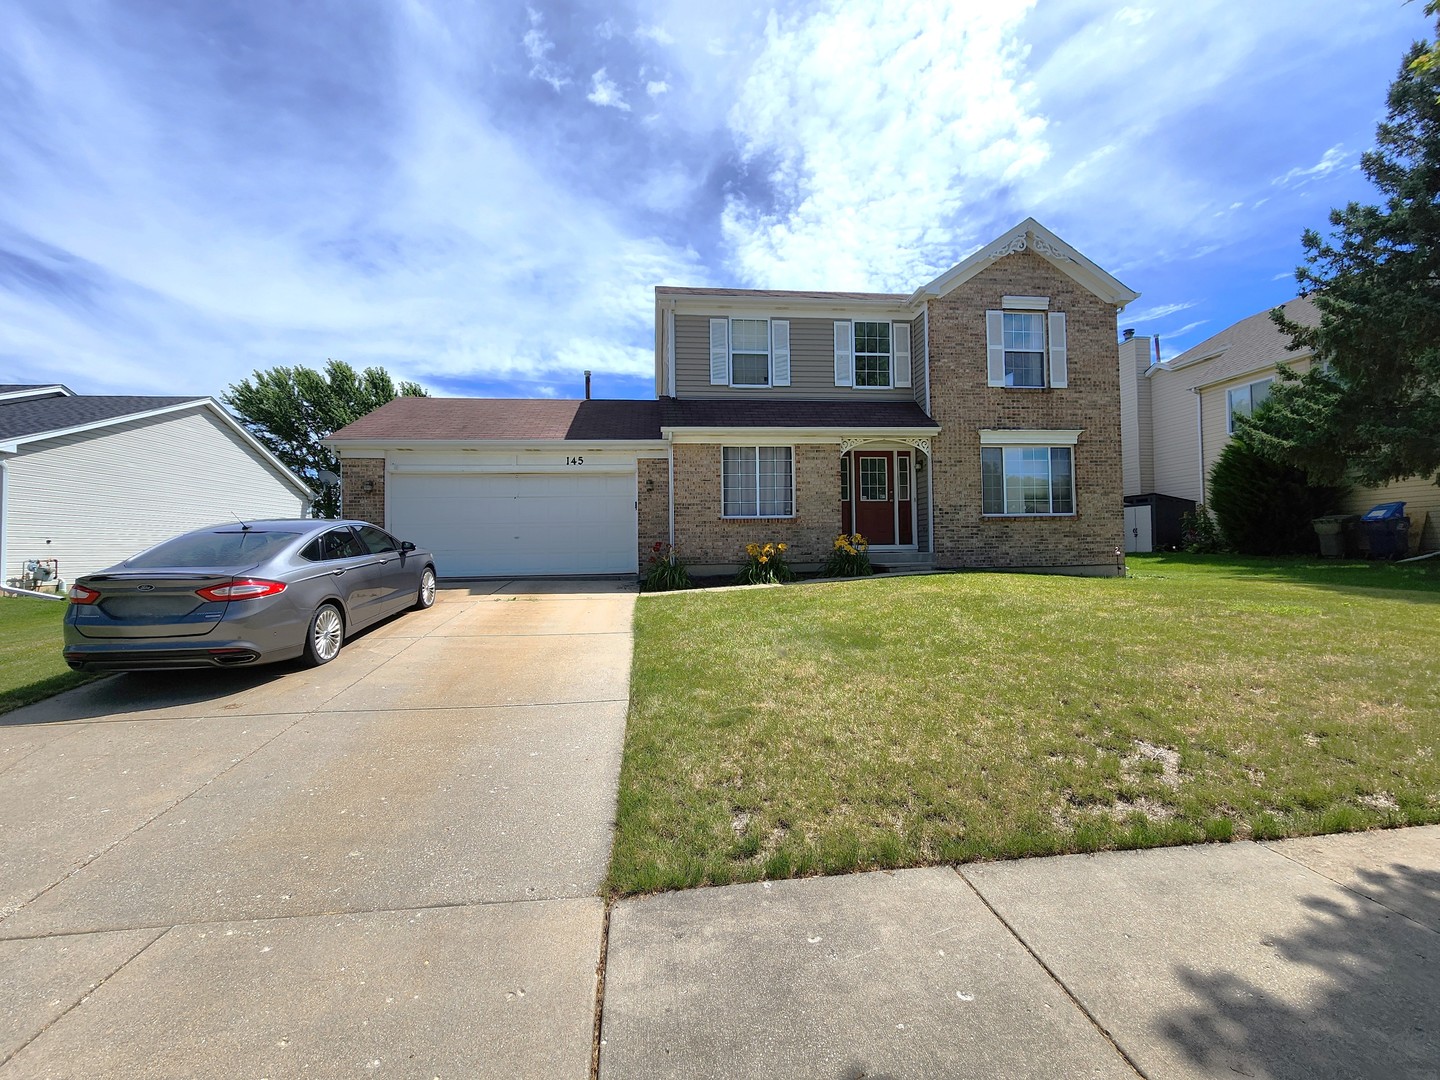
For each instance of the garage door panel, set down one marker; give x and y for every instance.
(521, 524)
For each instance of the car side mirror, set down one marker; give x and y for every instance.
(406, 545)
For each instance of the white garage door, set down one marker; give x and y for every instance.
(484, 525)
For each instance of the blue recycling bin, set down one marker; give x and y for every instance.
(1388, 530)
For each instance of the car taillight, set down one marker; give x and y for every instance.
(241, 589)
(79, 594)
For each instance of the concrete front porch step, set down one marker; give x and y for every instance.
(908, 560)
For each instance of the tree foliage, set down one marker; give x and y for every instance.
(290, 409)
(1369, 408)
(1264, 507)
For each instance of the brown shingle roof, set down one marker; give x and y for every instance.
(1249, 345)
(423, 419)
(830, 415)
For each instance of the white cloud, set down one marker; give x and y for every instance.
(604, 92)
(656, 88)
(658, 34)
(880, 143)
(538, 48)
(1331, 160)
(1159, 311)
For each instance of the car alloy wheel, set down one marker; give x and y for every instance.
(427, 589)
(327, 632)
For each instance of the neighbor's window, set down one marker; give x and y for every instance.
(1244, 400)
(757, 481)
(1026, 480)
(872, 354)
(1024, 339)
(749, 352)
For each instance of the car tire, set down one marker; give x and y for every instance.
(425, 597)
(325, 635)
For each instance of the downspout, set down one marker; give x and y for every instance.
(4, 517)
(1200, 435)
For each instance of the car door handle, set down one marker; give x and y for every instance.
(336, 573)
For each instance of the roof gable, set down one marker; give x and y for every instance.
(1252, 344)
(1030, 235)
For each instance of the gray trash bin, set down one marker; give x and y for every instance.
(1331, 531)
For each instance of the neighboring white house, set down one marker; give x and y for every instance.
(1177, 416)
(88, 481)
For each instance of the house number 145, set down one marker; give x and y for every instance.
(574, 461)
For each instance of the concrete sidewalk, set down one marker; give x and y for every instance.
(1303, 958)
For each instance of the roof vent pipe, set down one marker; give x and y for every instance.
(1130, 333)
(587, 386)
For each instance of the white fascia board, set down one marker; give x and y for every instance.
(37, 391)
(1030, 235)
(346, 448)
(764, 307)
(795, 434)
(1175, 363)
(9, 448)
(1030, 436)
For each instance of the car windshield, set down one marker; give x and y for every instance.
(230, 548)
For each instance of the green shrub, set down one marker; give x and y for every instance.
(665, 571)
(849, 557)
(765, 565)
(1199, 535)
(1265, 508)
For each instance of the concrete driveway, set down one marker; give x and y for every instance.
(385, 866)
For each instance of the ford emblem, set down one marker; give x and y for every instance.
(145, 588)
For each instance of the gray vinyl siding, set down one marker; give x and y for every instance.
(812, 365)
(97, 497)
(918, 361)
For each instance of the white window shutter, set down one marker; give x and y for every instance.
(779, 352)
(719, 352)
(900, 344)
(995, 348)
(844, 355)
(1059, 360)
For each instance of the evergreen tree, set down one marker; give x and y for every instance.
(291, 409)
(1264, 507)
(1369, 408)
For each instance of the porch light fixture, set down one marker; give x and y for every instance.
(369, 486)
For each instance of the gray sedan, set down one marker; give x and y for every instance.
(244, 593)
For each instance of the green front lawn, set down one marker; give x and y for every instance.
(30, 663)
(842, 726)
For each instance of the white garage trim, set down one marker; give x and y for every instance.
(481, 470)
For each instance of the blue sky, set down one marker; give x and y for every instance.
(481, 197)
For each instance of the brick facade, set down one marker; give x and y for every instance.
(653, 516)
(962, 404)
(355, 501)
(706, 538)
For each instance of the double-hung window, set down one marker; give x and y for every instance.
(1027, 480)
(1025, 345)
(757, 481)
(1244, 400)
(749, 352)
(872, 354)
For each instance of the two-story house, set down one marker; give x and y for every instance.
(972, 422)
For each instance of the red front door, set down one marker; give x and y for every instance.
(873, 489)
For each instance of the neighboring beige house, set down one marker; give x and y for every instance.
(86, 481)
(972, 422)
(1177, 417)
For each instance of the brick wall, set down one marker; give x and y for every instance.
(962, 403)
(704, 537)
(653, 485)
(355, 501)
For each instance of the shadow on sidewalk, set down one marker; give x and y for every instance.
(1374, 1006)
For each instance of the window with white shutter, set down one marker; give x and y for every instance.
(780, 352)
(900, 335)
(719, 352)
(844, 355)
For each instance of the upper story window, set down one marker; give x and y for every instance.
(1244, 400)
(872, 354)
(1026, 345)
(749, 352)
(1024, 333)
